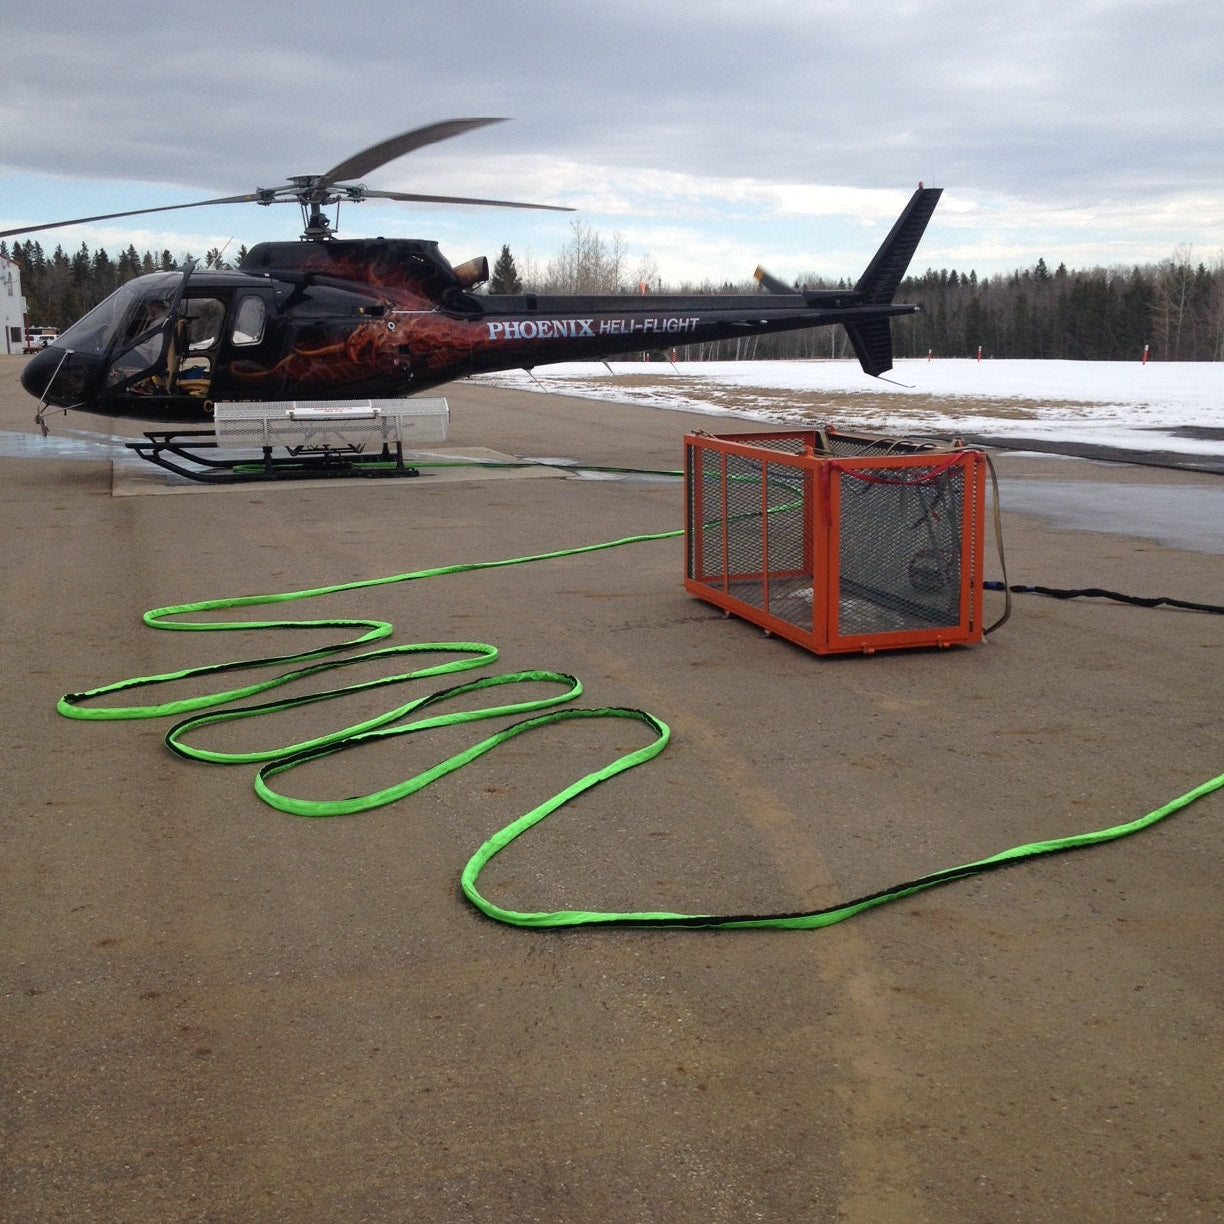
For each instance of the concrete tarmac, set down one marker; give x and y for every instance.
(217, 1012)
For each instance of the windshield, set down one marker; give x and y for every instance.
(136, 306)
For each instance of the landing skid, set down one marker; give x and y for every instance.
(181, 452)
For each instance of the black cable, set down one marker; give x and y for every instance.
(1099, 593)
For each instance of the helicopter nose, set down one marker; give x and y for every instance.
(59, 376)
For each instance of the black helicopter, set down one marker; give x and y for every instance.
(328, 319)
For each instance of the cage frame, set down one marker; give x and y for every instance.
(811, 455)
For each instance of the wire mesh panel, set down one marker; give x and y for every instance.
(747, 533)
(899, 548)
(707, 546)
(838, 542)
(742, 532)
(788, 567)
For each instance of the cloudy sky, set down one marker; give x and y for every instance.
(711, 136)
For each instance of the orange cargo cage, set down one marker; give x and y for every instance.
(835, 541)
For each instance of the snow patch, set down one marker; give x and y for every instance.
(1110, 403)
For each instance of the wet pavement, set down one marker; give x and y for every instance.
(218, 1012)
(1189, 517)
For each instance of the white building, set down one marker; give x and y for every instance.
(12, 308)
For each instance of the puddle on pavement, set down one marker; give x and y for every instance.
(1177, 517)
(79, 445)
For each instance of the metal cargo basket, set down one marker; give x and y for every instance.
(837, 542)
(314, 426)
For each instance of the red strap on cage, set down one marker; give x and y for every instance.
(928, 477)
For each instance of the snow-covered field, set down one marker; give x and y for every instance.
(1114, 404)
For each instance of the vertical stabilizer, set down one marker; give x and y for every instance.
(878, 284)
(872, 338)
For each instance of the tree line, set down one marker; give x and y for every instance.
(1173, 310)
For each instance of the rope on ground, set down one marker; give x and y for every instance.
(304, 664)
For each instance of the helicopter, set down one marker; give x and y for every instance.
(328, 319)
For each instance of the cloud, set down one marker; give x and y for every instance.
(701, 112)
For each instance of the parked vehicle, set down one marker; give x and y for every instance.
(37, 338)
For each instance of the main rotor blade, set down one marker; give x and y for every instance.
(412, 197)
(133, 212)
(353, 168)
(362, 163)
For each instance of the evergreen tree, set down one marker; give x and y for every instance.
(505, 278)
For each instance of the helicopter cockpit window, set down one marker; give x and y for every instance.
(205, 317)
(249, 321)
(128, 308)
(144, 333)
